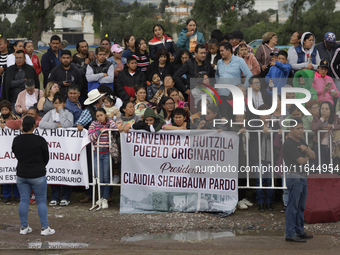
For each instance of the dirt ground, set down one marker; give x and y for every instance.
(103, 230)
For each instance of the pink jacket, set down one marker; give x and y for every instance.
(21, 100)
(252, 63)
(319, 84)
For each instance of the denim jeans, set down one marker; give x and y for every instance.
(7, 190)
(297, 186)
(104, 171)
(39, 186)
(285, 194)
(66, 194)
(266, 182)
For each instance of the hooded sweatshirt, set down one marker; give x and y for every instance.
(155, 127)
(300, 57)
(279, 74)
(183, 40)
(319, 84)
(308, 76)
(252, 63)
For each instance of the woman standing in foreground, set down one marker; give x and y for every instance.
(31, 174)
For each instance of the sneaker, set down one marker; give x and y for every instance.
(241, 205)
(247, 202)
(32, 200)
(25, 230)
(64, 202)
(47, 231)
(53, 203)
(6, 200)
(105, 204)
(284, 209)
(98, 201)
(115, 179)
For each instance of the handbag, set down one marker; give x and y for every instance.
(114, 148)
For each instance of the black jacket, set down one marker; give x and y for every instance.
(48, 63)
(167, 69)
(10, 74)
(80, 63)
(327, 54)
(126, 82)
(190, 68)
(59, 75)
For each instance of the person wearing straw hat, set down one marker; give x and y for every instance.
(94, 101)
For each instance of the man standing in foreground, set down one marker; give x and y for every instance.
(296, 154)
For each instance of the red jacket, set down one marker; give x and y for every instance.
(36, 64)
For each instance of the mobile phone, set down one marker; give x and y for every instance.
(325, 124)
(69, 81)
(329, 84)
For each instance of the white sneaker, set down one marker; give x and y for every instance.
(24, 231)
(105, 204)
(99, 201)
(247, 202)
(115, 179)
(64, 202)
(47, 231)
(242, 205)
(53, 203)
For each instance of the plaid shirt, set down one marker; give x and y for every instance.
(85, 118)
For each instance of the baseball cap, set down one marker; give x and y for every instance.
(323, 63)
(236, 34)
(330, 39)
(116, 48)
(274, 53)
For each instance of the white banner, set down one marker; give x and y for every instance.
(184, 171)
(67, 149)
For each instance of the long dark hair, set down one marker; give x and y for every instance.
(162, 52)
(178, 60)
(331, 115)
(123, 107)
(160, 107)
(137, 51)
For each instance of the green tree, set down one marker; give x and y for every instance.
(5, 28)
(162, 5)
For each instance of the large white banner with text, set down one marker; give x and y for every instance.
(67, 164)
(180, 170)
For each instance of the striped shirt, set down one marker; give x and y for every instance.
(3, 60)
(94, 132)
(143, 62)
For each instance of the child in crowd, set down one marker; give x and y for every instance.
(140, 109)
(279, 71)
(101, 123)
(128, 117)
(207, 121)
(154, 86)
(141, 54)
(213, 54)
(174, 94)
(59, 116)
(323, 84)
(249, 58)
(260, 95)
(151, 122)
(304, 79)
(179, 122)
(128, 78)
(243, 202)
(110, 108)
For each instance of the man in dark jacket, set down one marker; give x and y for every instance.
(327, 48)
(128, 78)
(65, 74)
(192, 67)
(16, 76)
(51, 58)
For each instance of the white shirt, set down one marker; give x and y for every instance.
(30, 100)
(257, 99)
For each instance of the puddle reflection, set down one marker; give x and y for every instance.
(56, 245)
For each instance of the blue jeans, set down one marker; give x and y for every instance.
(66, 195)
(39, 186)
(297, 186)
(104, 171)
(7, 190)
(285, 194)
(266, 182)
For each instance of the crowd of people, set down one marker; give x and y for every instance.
(158, 85)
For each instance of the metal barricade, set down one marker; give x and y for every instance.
(96, 180)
